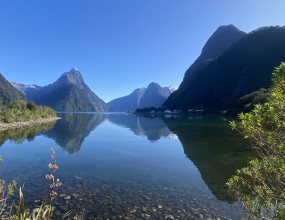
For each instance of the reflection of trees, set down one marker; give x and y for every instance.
(214, 149)
(151, 127)
(71, 130)
(19, 135)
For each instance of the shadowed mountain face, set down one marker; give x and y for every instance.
(8, 93)
(70, 131)
(152, 128)
(203, 140)
(222, 39)
(244, 67)
(152, 96)
(68, 93)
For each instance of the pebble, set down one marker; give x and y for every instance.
(169, 217)
(36, 210)
(147, 198)
(104, 200)
(67, 197)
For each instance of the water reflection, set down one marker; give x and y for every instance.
(214, 149)
(72, 129)
(152, 127)
(208, 142)
(19, 135)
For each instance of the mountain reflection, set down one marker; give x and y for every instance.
(214, 148)
(70, 131)
(208, 142)
(152, 127)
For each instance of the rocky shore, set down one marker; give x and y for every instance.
(5, 126)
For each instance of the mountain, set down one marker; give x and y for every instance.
(152, 96)
(7, 92)
(25, 88)
(129, 102)
(220, 40)
(68, 93)
(243, 68)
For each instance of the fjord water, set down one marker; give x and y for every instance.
(129, 167)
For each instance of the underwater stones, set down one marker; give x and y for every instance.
(106, 200)
(168, 217)
(67, 197)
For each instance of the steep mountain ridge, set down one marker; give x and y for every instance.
(218, 42)
(243, 68)
(68, 93)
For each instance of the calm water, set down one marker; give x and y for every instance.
(129, 167)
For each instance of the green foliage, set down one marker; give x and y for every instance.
(20, 111)
(6, 191)
(247, 102)
(261, 185)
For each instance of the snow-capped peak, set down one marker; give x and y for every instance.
(173, 88)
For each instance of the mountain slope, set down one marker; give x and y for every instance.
(68, 93)
(25, 88)
(243, 68)
(7, 92)
(153, 96)
(220, 40)
(129, 102)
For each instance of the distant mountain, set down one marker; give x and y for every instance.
(68, 93)
(7, 92)
(171, 88)
(129, 102)
(25, 88)
(152, 96)
(243, 68)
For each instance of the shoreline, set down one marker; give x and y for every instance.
(14, 125)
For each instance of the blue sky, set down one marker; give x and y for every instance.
(118, 45)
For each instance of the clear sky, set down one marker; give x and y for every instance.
(118, 45)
